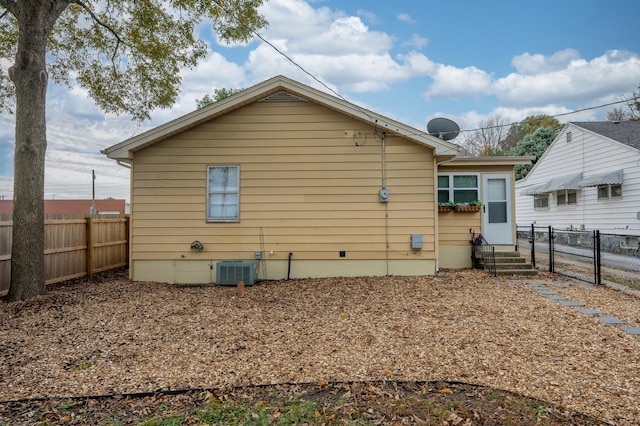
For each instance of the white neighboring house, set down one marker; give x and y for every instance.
(589, 178)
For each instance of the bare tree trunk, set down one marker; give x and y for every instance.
(30, 78)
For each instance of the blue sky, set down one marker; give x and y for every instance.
(409, 60)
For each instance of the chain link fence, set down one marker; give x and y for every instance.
(589, 256)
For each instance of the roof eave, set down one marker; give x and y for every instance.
(491, 161)
(124, 150)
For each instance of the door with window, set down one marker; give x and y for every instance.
(497, 217)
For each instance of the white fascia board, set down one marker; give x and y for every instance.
(124, 150)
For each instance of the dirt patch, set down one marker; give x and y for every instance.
(370, 403)
(112, 336)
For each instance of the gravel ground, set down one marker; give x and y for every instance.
(109, 335)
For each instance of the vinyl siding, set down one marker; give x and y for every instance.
(590, 154)
(305, 188)
(453, 228)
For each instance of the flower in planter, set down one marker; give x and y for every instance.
(477, 240)
(470, 207)
(447, 203)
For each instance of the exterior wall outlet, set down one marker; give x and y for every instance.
(384, 195)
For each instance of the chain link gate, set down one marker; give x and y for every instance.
(591, 256)
(569, 252)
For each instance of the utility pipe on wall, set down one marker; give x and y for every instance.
(384, 162)
(386, 205)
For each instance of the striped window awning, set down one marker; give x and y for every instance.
(575, 181)
(556, 184)
(535, 190)
(614, 177)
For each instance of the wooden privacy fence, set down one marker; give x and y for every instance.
(75, 246)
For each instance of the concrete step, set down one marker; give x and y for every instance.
(511, 260)
(518, 265)
(507, 254)
(510, 263)
(528, 272)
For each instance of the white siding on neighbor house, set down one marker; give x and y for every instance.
(587, 153)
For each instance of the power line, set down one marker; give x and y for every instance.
(420, 133)
(557, 115)
(254, 32)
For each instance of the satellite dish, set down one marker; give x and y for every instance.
(443, 128)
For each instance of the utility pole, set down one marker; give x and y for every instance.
(93, 190)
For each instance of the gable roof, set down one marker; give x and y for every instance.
(279, 86)
(626, 132)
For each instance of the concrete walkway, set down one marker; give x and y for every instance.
(547, 289)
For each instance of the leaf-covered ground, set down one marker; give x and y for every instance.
(109, 336)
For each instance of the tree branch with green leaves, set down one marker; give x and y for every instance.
(127, 55)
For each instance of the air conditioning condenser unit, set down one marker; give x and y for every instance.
(231, 272)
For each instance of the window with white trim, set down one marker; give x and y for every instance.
(607, 192)
(541, 201)
(457, 188)
(567, 197)
(223, 194)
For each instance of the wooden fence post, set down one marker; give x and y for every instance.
(89, 246)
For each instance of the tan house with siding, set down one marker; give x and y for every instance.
(304, 184)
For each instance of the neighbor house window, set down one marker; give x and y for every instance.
(606, 192)
(541, 201)
(567, 197)
(223, 194)
(569, 137)
(457, 188)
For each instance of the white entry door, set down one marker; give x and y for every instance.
(497, 217)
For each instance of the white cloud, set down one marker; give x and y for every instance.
(368, 16)
(451, 83)
(471, 119)
(528, 64)
(73, 150)
(334, 47)
(578, 80)
(71, 155)
(263, 62)
(320, 31)
(541, 83)
(416, 41)
(296, 19)
(215, 72)
(417, 64)
(405, 17)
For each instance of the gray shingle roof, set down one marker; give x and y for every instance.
(626, 132)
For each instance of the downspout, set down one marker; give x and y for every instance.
(386, 205)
